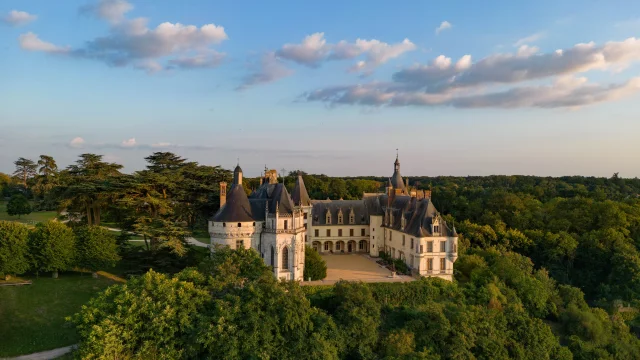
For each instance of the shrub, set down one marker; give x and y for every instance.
(18, 205)
(13, 248)
(95, 248)
(52, 247)
(315, 268)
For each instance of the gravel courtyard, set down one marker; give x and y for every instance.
(355, 267)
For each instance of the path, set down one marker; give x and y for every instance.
(44, 355)
(190, 240)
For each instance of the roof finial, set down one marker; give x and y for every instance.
(238, 161)
(396, 153)
(283, 174)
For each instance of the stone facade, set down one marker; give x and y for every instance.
(400, 221)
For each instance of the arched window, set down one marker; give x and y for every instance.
(285, 258)
(273, 255)
(239, 224)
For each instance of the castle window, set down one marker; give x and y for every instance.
(429, 246)
(286, 223)
(305, 216)
(352, 219)
(317, 233)
(339, 232)
(443, 264)
(436, 229)
(421, 249)
(239, 224)
(412, 243)
(328, 232)
(224, 224)
(350, 232)
(328, 218)
(443, 246)
(285, 258)
(403, 240)
(254, 224)
(362, 232)
(390, 235)
(273, 255)
(326, 246)
(239, 244)
(455, 247)
(429, 264)
(305, 226)
(339, 218)
(338, 245)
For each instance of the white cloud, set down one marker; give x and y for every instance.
(17, 18)
(481, 84)
(32, 42)
(129, 143)
(110, 10)
(269, 70)
(208, 60)
(376, 52)
(310, 52)
(529, 39)
(130, 42)
(161, 145)
(77, 142)
(443, 26)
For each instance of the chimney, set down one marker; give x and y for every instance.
(427, 194)
(223, 193)
(407, 181)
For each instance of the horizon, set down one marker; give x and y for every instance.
(462, 89)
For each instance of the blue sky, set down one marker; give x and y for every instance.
(327, 87)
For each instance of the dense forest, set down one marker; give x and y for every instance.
(548, 268)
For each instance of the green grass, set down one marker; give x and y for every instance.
(38, 216)
(202, 235)
(32, 317)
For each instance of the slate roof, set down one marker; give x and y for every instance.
(300, 195)
(237, 208)
(274, 194)
(320, 208)
(419, 214)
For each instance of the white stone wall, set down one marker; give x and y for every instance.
(335, 240)
(376, 232)
(229, 234)
(417, 257)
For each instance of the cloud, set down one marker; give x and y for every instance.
(130, 42)
(464, 84)
(443, 26)
(269, 70)
(18, 18)
(129, 143)
(32, 42)
(208, 60)
(111, 10)
(315, 50)
(77, 142)
(529, 39)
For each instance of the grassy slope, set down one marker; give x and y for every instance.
(38, 216)
(32, 316)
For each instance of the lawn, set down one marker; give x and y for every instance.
(34, 217)
(32, 317)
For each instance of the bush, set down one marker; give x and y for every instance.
(52, 247)
(95, 248)
(315, 268)
(18, 205)
(13, 248)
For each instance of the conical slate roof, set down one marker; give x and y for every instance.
(300, 195)
(237, 207)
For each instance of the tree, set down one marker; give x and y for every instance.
(52, 247)
(48, 171)
(18, 205)
(13, 248)
(96, 248)
(25, 169)
(315, 268)
(92, 185)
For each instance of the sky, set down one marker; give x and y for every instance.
(545, 88)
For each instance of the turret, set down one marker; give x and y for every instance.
(237, 175)
(223, 193)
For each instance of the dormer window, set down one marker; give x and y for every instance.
(340, 219)
(328, 218)
(352, 219)
(436, 229)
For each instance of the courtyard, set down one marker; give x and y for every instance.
(355, 267)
